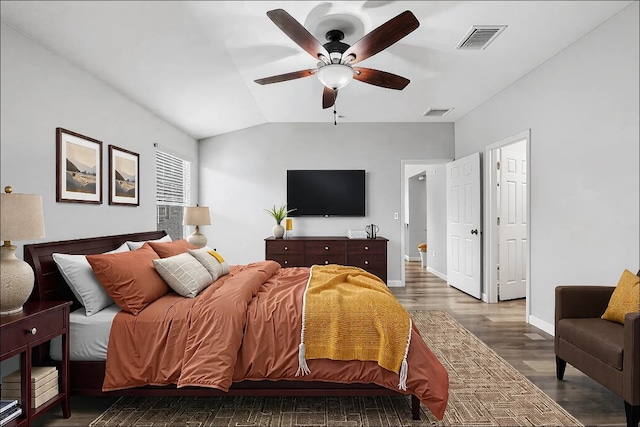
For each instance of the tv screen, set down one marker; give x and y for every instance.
(326, 192)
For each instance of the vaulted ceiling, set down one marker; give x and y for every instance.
(193, 63)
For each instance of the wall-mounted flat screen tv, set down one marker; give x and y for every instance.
(326, 192)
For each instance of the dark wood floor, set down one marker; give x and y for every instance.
(501, 326)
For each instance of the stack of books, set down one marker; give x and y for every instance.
(44, 385)
(357, 234)
(9, 410)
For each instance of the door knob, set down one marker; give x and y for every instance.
(474, 231)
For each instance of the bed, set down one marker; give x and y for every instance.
(87, 377)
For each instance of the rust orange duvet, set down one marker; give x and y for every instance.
(247, 326)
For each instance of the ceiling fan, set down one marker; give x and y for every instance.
(335, 68)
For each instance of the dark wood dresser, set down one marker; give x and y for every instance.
(368, 254)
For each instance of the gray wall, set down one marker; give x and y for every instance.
(40, 92)
(244, 172)
(436, 220)
(582, 109)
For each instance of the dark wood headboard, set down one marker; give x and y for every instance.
(50, 285)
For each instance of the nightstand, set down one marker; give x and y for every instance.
(20, 333)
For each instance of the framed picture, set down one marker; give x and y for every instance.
(78, 168)
(124, 177)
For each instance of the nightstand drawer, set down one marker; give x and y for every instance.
(31, 329)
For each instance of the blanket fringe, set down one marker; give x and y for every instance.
(404, 367)
(303, 368)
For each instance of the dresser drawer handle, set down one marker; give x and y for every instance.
(286, 248)
(366, 262)
(286, 262)
(326, 262)
(326, 248)
(32, 331)
(366, 248)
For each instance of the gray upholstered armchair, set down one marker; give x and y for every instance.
(608, 352)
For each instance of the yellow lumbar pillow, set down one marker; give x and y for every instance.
(625, 298)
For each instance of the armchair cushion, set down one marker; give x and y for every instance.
(625, 298)
(601, 339)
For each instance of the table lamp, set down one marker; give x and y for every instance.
(21, 219)
(197, 215)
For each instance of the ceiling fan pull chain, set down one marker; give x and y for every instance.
(335, 121)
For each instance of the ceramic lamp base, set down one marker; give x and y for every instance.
(197, 239)
(16, 281)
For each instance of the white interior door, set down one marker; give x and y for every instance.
(513, 222)
(463, 225)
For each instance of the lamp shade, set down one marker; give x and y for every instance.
(196, 215)
(22, 217)
(335, 76)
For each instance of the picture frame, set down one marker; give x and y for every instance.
(124, 177)
(78, 168)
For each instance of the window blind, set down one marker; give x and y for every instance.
(173, 180)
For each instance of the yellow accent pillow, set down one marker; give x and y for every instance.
(217, 256)
(625, 298)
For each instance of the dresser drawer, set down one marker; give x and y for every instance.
(284, 247)
(288, 260)
(325, 247)
(366, 247)
(20, 333)
(380, 272)
(367, 261)
(323, 259)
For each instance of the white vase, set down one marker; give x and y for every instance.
(278, 231)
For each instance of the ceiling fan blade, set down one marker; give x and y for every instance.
(297, 33)
(383, 36)
(285, 77)
(329, 97)
(380, 78)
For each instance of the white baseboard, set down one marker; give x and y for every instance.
(394, 283)
(541, 324)
(412, 258)
(437, 273)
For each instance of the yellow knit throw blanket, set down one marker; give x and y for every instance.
(350, 314)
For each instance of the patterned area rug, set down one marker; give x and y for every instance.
(484, 391)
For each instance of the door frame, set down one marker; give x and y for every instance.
(403, 190)
(490, 213)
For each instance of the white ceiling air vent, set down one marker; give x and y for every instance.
(436, 112)
(479, 36)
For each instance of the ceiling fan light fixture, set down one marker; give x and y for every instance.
(335, 76)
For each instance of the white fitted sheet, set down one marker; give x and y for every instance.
(89, 336)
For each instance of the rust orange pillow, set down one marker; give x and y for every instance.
(625, 298)
(167, 249)
(130, 278)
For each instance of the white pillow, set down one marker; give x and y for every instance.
(137, 245)
(77, 272)
(184, 274)
(211, 263)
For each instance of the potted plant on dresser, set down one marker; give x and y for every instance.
(279, 214)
